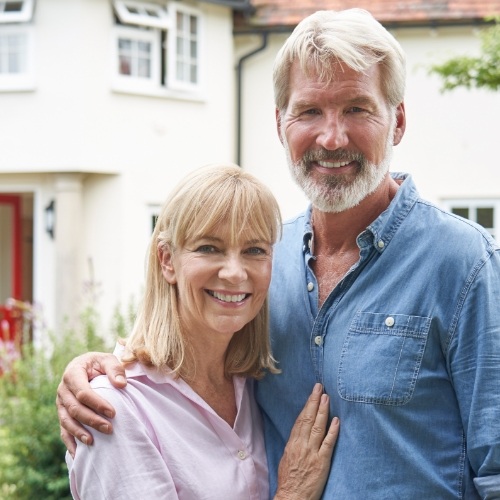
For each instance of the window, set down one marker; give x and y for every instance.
(485, 212)
(16, 11)
(156, 47)
(16, 46)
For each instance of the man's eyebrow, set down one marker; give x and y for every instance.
(362, 100)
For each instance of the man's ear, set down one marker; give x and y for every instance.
(167, 267)
(400, 124)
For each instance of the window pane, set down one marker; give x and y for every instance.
(194, 49)
(125, 65)
(180, 47)
(13, 54)
(193, 23)
(485, 217)
(193, 74)
(462, 211)
(13, 6)
(144, 68)
(180, 21)
(134, 58)
(124, 45)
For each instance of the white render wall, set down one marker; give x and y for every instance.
(127, 151)
(450, 138)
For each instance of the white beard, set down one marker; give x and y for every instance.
(340, 193)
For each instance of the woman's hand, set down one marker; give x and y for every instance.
(304, 467)
(77, 402)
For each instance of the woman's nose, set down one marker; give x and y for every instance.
(233, 269)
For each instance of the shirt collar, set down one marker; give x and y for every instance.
(380, 232)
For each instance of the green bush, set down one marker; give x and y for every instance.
(32, 462)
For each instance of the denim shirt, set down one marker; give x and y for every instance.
(407, 346)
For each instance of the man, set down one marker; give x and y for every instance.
(387, 300)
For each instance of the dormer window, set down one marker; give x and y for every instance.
(156, 47)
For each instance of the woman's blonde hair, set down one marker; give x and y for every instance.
(205, 199)
(352, 37)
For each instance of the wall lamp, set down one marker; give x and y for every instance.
(50, 218)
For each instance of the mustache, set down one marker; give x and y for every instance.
(337, 155)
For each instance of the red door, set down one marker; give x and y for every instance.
(10, 251)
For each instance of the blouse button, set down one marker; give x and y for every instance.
(380, 244)
(389, 321)
(242, 455)
(310, 286)
(318, 340)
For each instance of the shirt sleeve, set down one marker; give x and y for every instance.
(124, 465)
(474, 358)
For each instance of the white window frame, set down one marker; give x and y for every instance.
(142, 17)
(131, 83)
(141, 26)
(24, 80)
(472, 204)
(172, 80)
(22, 16)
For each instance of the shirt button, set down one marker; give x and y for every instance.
(318, 340)
(242, 455)
(380, 244)
(389, 321)
(310, 287)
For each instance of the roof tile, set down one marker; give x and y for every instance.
(287, 13)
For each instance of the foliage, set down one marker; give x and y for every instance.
(478, 72)
(31, 453)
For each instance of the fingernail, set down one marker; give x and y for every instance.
(335, 420)
(317, 388)
(104, 428)
(324, 399)
(108, 413)
(121, 379)
(84, 439)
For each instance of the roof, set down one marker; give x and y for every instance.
(288, 13)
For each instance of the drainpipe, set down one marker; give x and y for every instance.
(239, 84)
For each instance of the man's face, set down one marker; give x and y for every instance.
(338, 137)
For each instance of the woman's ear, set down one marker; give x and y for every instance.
(167, 267)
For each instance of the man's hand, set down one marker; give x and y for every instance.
(304, 467)
(77, 403)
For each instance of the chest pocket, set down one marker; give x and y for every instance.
(381, 358)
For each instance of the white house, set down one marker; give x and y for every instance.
(106, 104)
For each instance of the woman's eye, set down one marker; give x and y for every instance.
(256, 251)
(206, 249)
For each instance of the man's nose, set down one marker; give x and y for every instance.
(332, 134)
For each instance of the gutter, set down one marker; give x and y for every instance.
(239, 84)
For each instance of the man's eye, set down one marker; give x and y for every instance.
(355, 109)
(311, 111)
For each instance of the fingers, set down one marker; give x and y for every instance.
(114, 370)
(313, 418)
(304, 467)
(78, 404)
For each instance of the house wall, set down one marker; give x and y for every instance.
(450, 138)
(105, 156)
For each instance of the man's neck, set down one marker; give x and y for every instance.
(337, 232)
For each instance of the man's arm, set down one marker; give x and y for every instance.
(77, 402)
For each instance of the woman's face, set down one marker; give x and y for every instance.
(221, 286)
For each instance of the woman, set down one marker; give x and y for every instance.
(186, 425)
